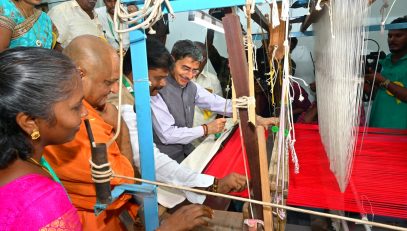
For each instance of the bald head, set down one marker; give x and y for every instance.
(89, 49)
(98, 64)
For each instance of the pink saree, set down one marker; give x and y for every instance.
(35, 202)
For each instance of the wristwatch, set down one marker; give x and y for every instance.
(385, 84)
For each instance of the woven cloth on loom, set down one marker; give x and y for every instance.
(378, 180)
(229, 159)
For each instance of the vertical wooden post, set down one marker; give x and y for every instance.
(239, 72)
(264, 179)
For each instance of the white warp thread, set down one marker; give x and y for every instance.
(339, 82)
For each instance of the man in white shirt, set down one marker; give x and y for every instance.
(167, 170)
(74, 18)
(105, 16)
(208, 81)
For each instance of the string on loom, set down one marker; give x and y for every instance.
(111, 175)
(285, 119)
(369, 105)
(377, 182)
(340, 82)
(119, 113)
(144, 18)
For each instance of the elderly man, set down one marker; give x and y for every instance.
(74, 18)
(173, 107)
(71, 160)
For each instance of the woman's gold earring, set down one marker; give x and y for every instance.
(35, 134)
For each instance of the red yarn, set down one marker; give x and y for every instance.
(378, 180)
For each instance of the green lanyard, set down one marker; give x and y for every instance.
(128, 85)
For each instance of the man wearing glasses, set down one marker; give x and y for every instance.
(173, 107)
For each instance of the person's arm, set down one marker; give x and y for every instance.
(5, 38)
(164, 125)
(169, 171)
(187, 218)
(216, 59)
(212, 102)
(398, 91)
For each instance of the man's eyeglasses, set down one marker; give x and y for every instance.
(188, 69)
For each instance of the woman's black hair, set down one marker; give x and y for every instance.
(32, 81)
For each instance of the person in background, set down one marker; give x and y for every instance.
(40, 105)
(389, 108)
(211, 83)
(23, 25)
(74, 18)
(105, 16)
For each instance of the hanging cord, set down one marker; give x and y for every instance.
(119, 113)
(142, 19)
(268, 204)
(388, 13)
(369, 105)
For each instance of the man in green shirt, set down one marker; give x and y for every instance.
(390, 105)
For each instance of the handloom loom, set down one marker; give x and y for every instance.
(240, 72)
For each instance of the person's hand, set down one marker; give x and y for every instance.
(132, 8)
(187, 218)
(109, 115)
(266, 122)
(216, 126)
(232, 183)
(371, 75)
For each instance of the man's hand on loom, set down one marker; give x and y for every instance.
(187, 218)
(266, 122)
(216, 126)
(232, 183)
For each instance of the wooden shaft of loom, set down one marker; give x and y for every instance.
(239, 72)
(264, 179)
(99, 157)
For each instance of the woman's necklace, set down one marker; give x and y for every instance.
(33, 161)
(37, 41)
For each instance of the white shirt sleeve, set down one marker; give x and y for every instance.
(164, 125)
(167, 170)
(212, 102)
